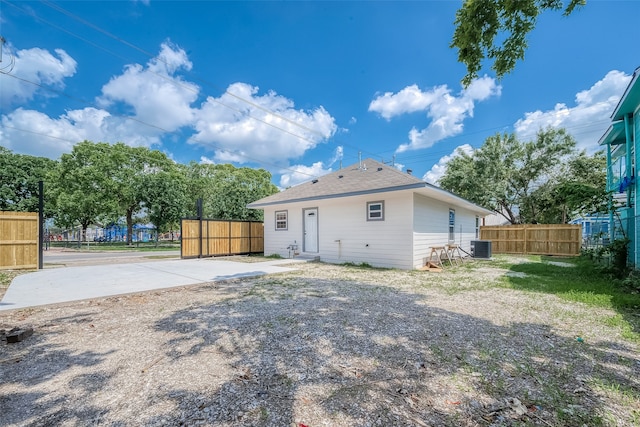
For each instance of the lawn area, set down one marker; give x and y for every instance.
(579, 280)
(119, 246)
(514, 341)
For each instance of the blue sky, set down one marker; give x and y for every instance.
(296, 87)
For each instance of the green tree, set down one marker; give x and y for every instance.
(578, 188)
(82, 186)
(19, 177)
(226, 190)
(482, 24)
(503, 174)
(127, 169)
(164, 195)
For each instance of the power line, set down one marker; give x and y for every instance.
(208, 83)
(259, 161)
(180, 84)
(196, 78)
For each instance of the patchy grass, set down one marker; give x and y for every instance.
(363, 265)
(583, 282)
(119, 246)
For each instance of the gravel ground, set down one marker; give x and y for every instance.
(323, 346)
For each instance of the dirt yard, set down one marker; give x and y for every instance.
(323, 346)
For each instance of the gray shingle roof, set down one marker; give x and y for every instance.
(372, 177)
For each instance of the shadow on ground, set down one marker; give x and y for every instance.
(368, 355)
(333, 352)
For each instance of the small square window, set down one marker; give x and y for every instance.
(375, 211)
(282, 222)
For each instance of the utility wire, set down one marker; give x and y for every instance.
(196, 78)
(259, 161)
(180, 84)
(51, 5)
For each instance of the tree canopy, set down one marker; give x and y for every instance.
(163, 193)
(100, 183)
(497, 30)
(226, 190)
(19, 177)
(545, 180)
(81, 185)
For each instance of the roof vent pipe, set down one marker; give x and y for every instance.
(409, 171)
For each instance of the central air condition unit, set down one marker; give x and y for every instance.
(481, 248)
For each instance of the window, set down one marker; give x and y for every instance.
(375, 211)
(281, 220)
(452, 225)
(477, 227)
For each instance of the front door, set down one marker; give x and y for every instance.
(310, 230)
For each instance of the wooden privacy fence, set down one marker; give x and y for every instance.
(208, 238)
(534, 239)
(18, 240)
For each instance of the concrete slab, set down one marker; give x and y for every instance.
(51, 286)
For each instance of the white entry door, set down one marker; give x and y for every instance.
(310, 230)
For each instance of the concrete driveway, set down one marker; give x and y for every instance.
(50, 286)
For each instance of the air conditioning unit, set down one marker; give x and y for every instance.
(481, 248)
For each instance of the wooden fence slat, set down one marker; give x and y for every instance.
(534, 239)
(221, 237)
(19, 240)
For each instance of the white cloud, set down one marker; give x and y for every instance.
(157, 96)
(52, 137)
(408, 100)
(204, 160)
(587, 120)
(337, 156)
(298, 174)
(438, 170)
(35, 65)
(447, 112)
(242, 131)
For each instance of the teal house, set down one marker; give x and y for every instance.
(623, 158)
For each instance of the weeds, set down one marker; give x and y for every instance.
(584, 282)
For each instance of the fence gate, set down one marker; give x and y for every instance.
(534, 239)
(19, 240)
(208, 238)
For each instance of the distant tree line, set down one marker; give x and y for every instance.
(546, 180)
(101, 183)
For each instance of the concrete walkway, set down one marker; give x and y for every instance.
(50, 286)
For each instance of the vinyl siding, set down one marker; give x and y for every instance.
(345, 235)
(431, 227)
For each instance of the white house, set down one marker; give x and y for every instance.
(369, 212)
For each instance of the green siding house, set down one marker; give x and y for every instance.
(623, 158)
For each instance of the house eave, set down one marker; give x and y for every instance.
(335, 196)
(629, 99)
(446, 196)
(420, 188)
(614, 135)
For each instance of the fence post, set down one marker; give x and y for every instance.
(40, 224)
(200, 233)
